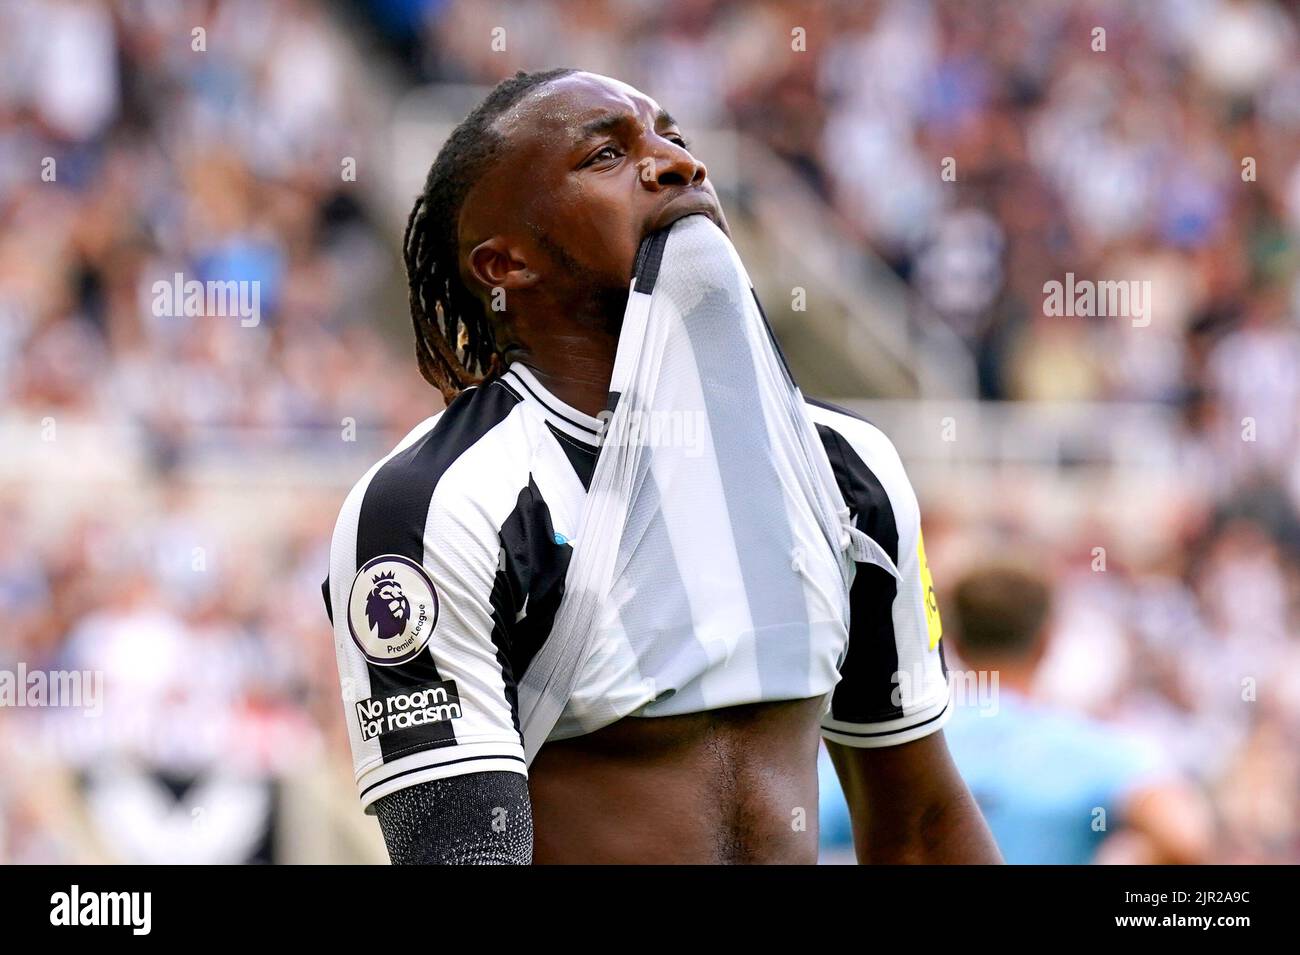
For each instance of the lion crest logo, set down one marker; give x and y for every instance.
(392, 609)
(387, 609)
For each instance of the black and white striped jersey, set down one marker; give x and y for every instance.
(447, 567)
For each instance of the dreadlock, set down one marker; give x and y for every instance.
(454, 343)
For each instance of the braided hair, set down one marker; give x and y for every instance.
(454, 343)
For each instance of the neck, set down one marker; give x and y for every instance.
(575, 365)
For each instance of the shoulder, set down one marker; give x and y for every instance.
(350, 511)
(470, 425)
(440, 465)
(867, 466)
(433, 446)
(843, 429)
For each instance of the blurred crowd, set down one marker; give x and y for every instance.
(133, 148)
(1164, 148)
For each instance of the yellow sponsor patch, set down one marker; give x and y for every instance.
(932, 620)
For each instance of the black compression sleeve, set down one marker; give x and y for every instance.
(475, 819)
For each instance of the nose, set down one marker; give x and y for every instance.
(671, 165)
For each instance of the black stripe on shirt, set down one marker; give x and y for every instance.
(649, 256)
(868, 674)
(329, 605)
(531, 580)
(581, 456)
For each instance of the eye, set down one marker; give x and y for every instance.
(604, 154)
(679, 139)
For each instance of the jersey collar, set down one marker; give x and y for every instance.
(564, 418)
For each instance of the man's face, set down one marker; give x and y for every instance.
(590, 167)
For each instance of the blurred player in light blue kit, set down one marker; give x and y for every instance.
(1056, 787)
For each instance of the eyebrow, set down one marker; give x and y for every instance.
(608, 122)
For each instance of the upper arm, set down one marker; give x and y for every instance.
(893, 684)
(428, 692)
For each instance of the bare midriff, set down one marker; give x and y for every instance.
(735, 785)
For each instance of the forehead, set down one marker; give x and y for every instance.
(558, 110)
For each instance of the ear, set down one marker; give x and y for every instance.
(495, 264)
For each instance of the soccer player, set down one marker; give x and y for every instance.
(1058, 787)
(449, 557)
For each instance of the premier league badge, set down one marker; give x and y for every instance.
(392, 609)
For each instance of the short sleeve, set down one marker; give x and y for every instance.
(893, 685)
(427, 692)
